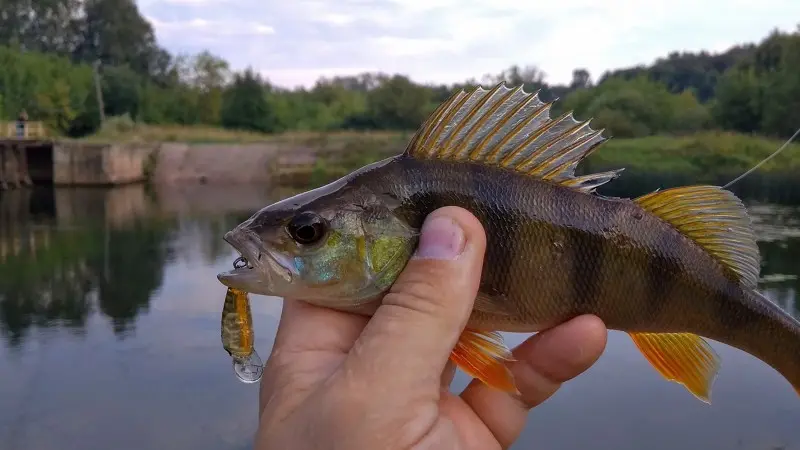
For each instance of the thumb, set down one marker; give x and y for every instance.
(420, 320)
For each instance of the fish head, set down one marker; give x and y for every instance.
(339, 246)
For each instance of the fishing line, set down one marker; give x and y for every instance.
(765, 159)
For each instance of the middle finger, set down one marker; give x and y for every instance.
(543, 363)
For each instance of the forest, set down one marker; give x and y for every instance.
(50, 50)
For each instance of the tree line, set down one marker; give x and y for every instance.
(49, 50)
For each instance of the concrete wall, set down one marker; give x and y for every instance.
(77, 163)
(98, 164)
(214, 163)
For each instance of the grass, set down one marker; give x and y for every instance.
(123, 130)
(703, 156)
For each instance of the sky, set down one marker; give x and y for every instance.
(294, 42)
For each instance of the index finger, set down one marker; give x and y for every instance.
(306, 333)
(306, 327)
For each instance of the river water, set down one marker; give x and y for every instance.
(109, 333)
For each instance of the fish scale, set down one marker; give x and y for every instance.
(670, 268)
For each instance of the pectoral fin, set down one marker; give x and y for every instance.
(485, 303)
(681, 357)
(482, 355)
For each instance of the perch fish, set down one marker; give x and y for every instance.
(670, 268)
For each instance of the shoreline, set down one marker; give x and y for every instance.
(315, 159)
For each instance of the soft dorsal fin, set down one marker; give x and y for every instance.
(714, 218)
(513, 129)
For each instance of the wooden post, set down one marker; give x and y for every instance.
(99, 92)
(22, 165)
(14, 175)
(3, 182)
(5, 223)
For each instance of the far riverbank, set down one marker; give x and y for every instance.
(303, 158)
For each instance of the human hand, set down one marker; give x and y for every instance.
(340, 381)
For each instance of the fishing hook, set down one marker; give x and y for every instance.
(239, 262)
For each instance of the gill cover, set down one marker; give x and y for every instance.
(338, 246)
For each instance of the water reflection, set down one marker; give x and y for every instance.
(67, 253)
(90, 251)
(116, 289)
(109, 316)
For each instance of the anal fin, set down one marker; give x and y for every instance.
(681, 357)
(482, 355)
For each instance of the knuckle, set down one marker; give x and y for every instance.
(417, 294)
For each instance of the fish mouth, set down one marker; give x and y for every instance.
(258, 268)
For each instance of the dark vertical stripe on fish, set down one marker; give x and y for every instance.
(504, 237)
(661, 272)
(587, 253)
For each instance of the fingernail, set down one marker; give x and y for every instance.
(441, 238)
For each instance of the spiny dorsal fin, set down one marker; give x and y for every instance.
(715, 219)
(513, 129)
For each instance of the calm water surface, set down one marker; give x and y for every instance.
(109, 334)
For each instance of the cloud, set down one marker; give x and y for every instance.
(294, 43)
(212, 28)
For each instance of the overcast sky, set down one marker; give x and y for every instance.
(293, 42)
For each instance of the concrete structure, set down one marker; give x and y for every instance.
(27, 162)
(28, 156)
(14, 139)
(13, 165)
(77, 163)
(214, 163)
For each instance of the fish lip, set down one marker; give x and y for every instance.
(250, 246)
(243, 278)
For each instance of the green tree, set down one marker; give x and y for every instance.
(637, 107)
(114, 32)
(209, 75)
(339, 99)
(681, 71)
(244, 104)
(580, 79)
(781, 90)
(398, 103)
(738, 102)
(49, 87)
(122, 91)
(49, 26)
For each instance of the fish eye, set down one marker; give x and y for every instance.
(307, 228)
